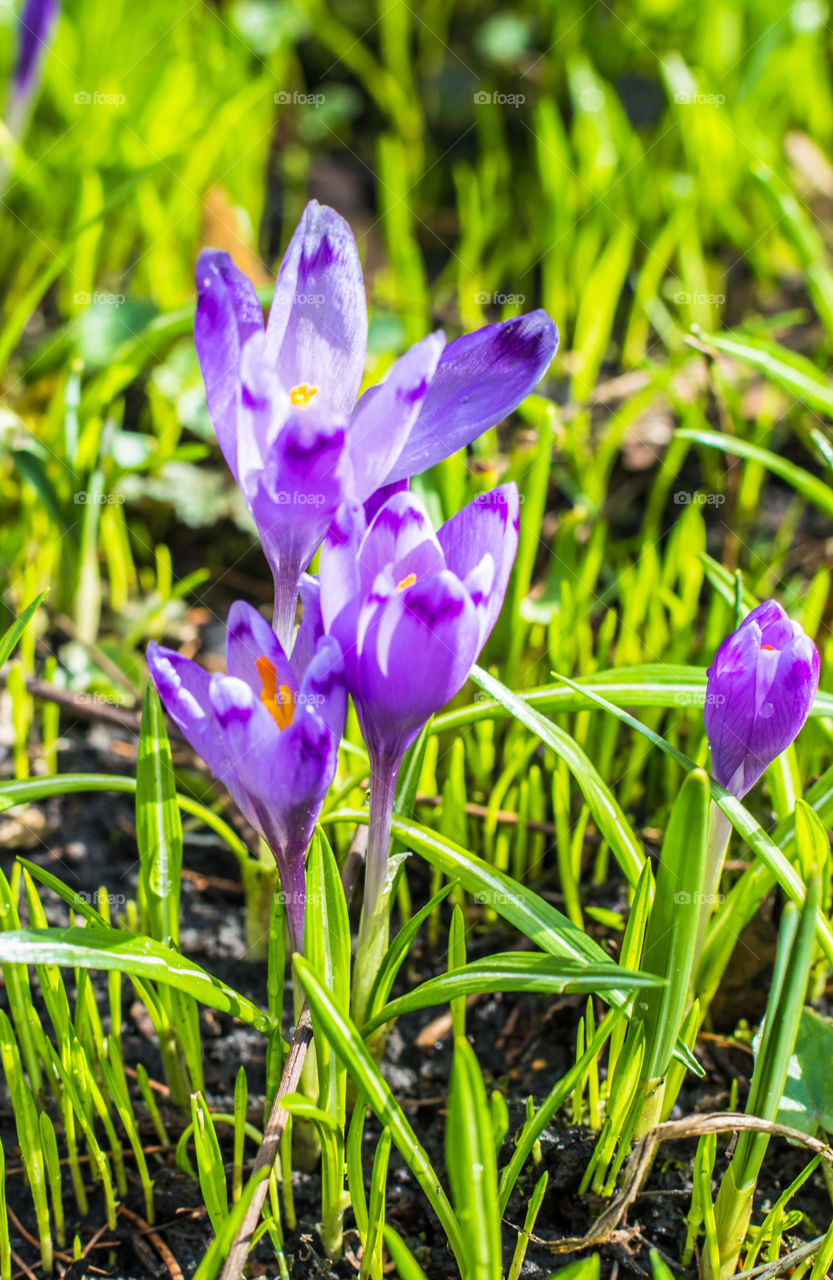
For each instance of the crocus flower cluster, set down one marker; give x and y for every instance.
(759, 692)
(401, 612)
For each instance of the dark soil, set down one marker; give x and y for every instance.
(523, 1045)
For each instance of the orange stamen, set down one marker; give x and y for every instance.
(278, 701)
(406, 582)
(768, 646)
(302, 394)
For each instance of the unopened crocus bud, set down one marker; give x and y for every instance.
(760, 689)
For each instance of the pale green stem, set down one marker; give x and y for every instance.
(719, 833)
(374, 924)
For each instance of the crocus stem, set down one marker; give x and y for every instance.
(293, 887)
(382, 791)
(373, 926)
(286, 603)
(720, 830)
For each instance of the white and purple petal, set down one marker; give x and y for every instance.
(402, 537)
(263, 409)
(417, 653)
(322, 687)
(249, 637)
(487, 526)
(317, 327)
(311, 629)
(182, 686)
(338, 570)
(480, 378)
(384, 417)
(228, 314)
(759, 692)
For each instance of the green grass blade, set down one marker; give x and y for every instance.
(515, 971)
(98, 948)
(15, 631)
(472, 1169)
(606, 811)
(803, 482)
(158, 826)
(673, 924)
(350, 1047)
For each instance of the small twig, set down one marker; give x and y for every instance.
(24, 1270)
(503, 817)
(80, 704)
(101, 659)
(355, 859)
(97, 1243)
(640, 1162)
(269, 1147)
(780, 1265)
(85, 1159)
(33, 1240)
(156, 1240)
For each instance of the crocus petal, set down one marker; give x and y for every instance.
(338, 565)
(250, 735)
(487, 526)
(729, 712)
(480, 378)
(296, 778)
(183, 688)
(295, 499)
(322, 687)
(776, 627)
(380, 497)
(759, 692)
(317, 329)
(417, 653)
(228, 314)
(781, 715)
(263, 410)
(305, 475)
(385, 415)
(248, 638)
(402, 537)
(34, 33)
(312, 625)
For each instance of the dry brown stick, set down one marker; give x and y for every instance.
(503, 817)
(101, 659)
(24, 1269)
(80, 704)
(640, 1162)
(786, 1263)
(93, 1243)
(269, 1147)
(33, 1240)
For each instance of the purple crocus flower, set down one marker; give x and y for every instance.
(411, 610)
(283, 398)
(759, 692)
(268, 730)
(35, 27)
